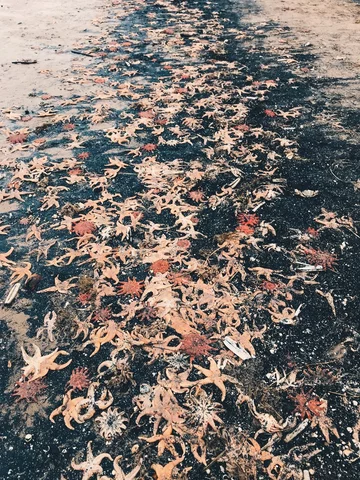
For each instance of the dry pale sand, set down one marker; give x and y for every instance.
(330, 29)
(45, 31)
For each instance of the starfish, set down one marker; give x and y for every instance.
(215, 376)
(39, 365)
(20, 272)
(70, 409)
(92, 465)
(33, 231)
(75, 142)
(105, 334)
(16, 195)
(119, 472)
(61, 287)
(43, 249)
(111, 272)
(70, 254)
(178, 382)
(4, 260)
(82, 327)
(166, 441)
(165, 473)
(161, 404)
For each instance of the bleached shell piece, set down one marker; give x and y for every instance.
(237, 349)
(12, 294)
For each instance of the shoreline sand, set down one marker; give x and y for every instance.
(45, 32)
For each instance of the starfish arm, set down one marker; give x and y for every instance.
(54, 413)
(25, 355)
(103, 403)
(67, 421)
(154, 438)
(204, 371)
(97, 346)
(203, 381)
(28, 370)
(53, 355)
(104, 365)
(89, 454)
(95, 470)
(55, 366)
(50, 289)
(221, 386)
(86, 416)
(132, 475)
(78, 466)
(186, 384)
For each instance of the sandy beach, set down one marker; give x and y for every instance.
(179, 240)
(329, 29)
(45, 32)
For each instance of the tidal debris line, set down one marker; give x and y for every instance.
(178, 262)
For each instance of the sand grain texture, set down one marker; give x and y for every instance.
(331, 31)
(44, 31)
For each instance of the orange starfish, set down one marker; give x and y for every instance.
(20, 272)
(165, 472)
(131, 287)
(215, 376)
(4, 260)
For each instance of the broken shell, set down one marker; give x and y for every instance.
(340, 350)
(12, 293)
(135, 448)
(307, 193)
(290, 436)
(28, 437)
(237, 349)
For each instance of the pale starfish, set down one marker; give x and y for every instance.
(111, 272)
(72, 408)
(39, 365)
(92, 465)
(215, 376)
(165, 472)
(20, 272)
(166, 441)
(119, 472)
(33, 231)
(4, 260)
(178, 382)
(61, 287)
(105, 334)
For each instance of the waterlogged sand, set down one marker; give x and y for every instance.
(45, 31)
